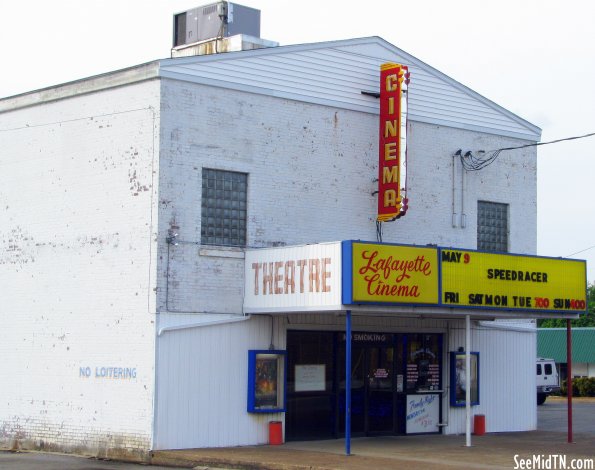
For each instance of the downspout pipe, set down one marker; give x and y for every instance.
(454, 178)
(463, 215)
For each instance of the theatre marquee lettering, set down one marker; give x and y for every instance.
(395, 274)
(475, 279)
(291, 276)
(293, 279)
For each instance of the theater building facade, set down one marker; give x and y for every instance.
(194, 247)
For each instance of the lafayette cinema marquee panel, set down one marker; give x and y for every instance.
(376, 273)
(333, 276)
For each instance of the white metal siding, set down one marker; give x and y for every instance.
(507, 378)
(202, 373)
(202, 384)
(337, 74)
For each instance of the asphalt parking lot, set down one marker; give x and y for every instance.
(552, 416)
(492, 451)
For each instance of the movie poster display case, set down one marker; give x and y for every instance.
(267, 380)
(457, 378)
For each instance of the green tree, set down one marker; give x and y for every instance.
(587, 319)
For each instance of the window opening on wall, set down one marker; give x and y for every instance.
(492, 226)
(224, 207)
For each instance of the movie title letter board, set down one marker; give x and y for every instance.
(512, 282)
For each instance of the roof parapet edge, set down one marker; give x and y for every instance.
(82, 86)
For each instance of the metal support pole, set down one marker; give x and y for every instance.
(348, 382)
(569, 379)
(467, 380)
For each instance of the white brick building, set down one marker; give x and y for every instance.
(116, 342)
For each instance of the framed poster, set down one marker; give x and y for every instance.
(266, 381)
(458, 388)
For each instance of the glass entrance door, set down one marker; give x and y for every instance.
(372, 389)
(358, 390)
(380, 389)
(389, 372)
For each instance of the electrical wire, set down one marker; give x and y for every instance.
(550, 142)
(580, 251)
(379, 231)
(473, 162)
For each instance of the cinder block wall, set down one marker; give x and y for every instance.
(311, 172)
(77, 275)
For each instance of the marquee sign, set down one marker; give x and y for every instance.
(494, 280)
(382, 273)
(333, 276)
(289, 279)
(392, 200)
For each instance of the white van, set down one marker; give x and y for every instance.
(547, 379)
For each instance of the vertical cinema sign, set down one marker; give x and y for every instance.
(392, 197)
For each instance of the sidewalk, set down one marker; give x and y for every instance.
(492, 451)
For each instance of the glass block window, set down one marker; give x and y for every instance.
(492, 226)
(224, 202)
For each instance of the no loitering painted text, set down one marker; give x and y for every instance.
(99, 372)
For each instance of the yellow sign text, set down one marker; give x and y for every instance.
(394, 274)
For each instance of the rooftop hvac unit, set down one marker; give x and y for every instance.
(221, 19)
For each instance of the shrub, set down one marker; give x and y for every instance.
(586, 386)
(564, 388)
(581, 387)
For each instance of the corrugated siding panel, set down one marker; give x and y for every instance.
(202, 376)
(337, 75)
(551, 343)
(507, 379)
(202, 385)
